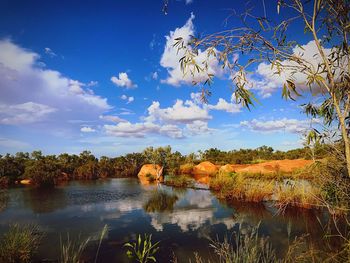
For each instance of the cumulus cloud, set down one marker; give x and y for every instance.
(87, 129)
(223, 105)
(139, 130)
(171, 56)
(123, 81)
(266, 81)
(183, 118)
(197, 127)
(279, 125)
(32, 94)
(180, 112)
(48, 51)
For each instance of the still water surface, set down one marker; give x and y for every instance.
(181, 219)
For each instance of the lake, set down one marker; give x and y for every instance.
(181, 219)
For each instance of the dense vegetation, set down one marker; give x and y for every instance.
(47, 170)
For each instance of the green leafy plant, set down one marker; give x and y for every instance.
(142, 250)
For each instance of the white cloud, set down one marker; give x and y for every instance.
(183, 118)
(279, 125)
(123, 81)
(127, 129)
(198, 127)
(49, 52)
(32, 94)
(188, 2)
(28, 112)
(171, 56)
(180, 112)
(128, 99)
(266, 81)
(155, 75)
(92, 83)
(87, 129)
(223, 105)
(112, 118)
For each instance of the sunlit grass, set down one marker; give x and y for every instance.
(250, 189)
(180, 181)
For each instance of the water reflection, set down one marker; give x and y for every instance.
(160, 201)
(180, 218)
(44, 200)
(4, 198)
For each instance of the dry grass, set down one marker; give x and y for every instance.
(179, 181)
(304, 196)
(237, 186)
(258, 189)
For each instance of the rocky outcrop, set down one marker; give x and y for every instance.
(151, 173)
(205, 169)
(226, 169)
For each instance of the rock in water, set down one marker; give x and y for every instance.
(151, 173)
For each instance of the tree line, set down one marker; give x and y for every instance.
(44, 170)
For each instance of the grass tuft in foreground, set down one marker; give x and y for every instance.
(142, 250)
(19, 244)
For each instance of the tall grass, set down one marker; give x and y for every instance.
(238, 187)
(19, 244)
(283, 193)
(246, 248)
(71, 251)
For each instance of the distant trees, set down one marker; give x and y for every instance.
(48, 170)
(43, 171)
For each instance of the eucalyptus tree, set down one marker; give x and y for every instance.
(326, 75)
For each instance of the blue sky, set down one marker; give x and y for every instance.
(98, 75)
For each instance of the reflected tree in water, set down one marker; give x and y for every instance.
(160, 201)
(42, 200)
(4, 198)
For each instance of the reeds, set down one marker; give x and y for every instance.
(71, 251)
(238, 186)
(19, 244)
